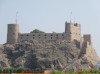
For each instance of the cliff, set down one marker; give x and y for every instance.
(60, 55)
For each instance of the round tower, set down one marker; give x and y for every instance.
(12, 34)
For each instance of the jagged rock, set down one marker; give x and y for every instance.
(97, 66)
(61, 55)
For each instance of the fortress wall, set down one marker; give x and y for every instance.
(43, 36)
(86, 45)
(72, 33)
(87, 37)
(81, 42)
(84, 49)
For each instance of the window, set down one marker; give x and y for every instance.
(56, 34)
(27, 35)
(45, 35)
(13, 33)
(21, 37)
(62, 34)
(33, 37)
(51, 37)
(39, 35)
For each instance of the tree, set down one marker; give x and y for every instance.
(37, 31)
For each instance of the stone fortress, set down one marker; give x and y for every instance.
(72, 32)
(72, 35)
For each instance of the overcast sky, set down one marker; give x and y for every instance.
(50, 16)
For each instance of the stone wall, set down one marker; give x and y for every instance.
(74, 30)
(43, 36)
(86, 45)
(87, 37)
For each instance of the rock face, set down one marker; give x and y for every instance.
(61, 55)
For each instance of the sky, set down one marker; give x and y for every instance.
(50, 16)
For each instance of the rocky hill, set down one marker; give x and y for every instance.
(61, 55)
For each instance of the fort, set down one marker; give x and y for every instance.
(66, 50)
(72, 33)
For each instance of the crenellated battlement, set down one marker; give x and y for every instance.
(74, 30)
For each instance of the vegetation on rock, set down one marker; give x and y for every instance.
(27, 70)
(37, 31)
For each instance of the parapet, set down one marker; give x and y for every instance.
(76, 24)
(87, 38)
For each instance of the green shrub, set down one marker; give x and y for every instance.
(94, 71)
(57, 72)
(0, 70)
(37, 31)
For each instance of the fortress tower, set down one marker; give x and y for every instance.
(13, 32)
(73, 30)
(87, 38)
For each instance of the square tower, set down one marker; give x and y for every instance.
(73, 30)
